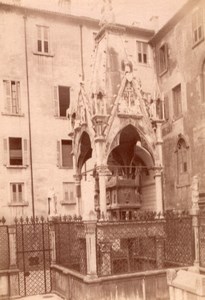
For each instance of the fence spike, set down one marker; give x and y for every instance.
(3, 220)
(64, 218)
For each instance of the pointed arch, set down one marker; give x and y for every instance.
(182, 160)
(85, 150)
(128, 149)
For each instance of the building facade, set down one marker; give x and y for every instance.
(179, 51)
(44, 58)
(55, 136)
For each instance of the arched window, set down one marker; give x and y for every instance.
(182, 162)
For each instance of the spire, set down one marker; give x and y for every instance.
(107, 14)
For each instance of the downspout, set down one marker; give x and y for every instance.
(81, 52)
(29, 117)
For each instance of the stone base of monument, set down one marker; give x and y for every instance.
(186, 284)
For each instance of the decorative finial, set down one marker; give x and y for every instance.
(107, 15)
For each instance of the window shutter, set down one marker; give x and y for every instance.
(166, 108)
(18, 97)
(58, 154)
(166, 55)
(7, 93)
(25, 149)
(56, 101)
(5, 152)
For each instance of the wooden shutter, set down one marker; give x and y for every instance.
(25, 152)
(46, 39)
(18, 97)
(39, 39)
(56, 101)
(5, 152)
(58, 153)
(7, 96)
(166, 108)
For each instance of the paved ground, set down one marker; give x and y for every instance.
(42, 297)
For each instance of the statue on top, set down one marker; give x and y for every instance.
(107, 15)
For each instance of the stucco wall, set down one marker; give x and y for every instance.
(184, 67)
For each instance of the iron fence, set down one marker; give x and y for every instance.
(4, 246)
(146, 243)
(202, 239)
(130, 246)
(33, 255)
(179, 242)
(70, 241)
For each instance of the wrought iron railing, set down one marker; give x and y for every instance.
(179, 242)
(4, 245)
(33, 255)
(146, 243)
(70, 242)
(124, 247)
(202, 239)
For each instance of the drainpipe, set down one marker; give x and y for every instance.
(81, 52)
(29, 117)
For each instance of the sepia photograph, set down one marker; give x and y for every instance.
(102, 149)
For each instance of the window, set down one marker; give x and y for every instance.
(182, 162)
(42, 39)
(163, 59)
(61, 100)
(142, 52)
(17, 192)
(64, 154)
(12, 97)
(15, 152)
(69, 192)
(166, 108)
(177, 101)
(197, 26)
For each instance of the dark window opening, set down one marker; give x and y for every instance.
(177, 101)
(182, 161)
(39, 46)
(67, 158)
(15, 152)
(46, 46)
(64, 100)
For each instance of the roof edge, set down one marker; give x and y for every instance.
(173, 21)
(76, 18)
